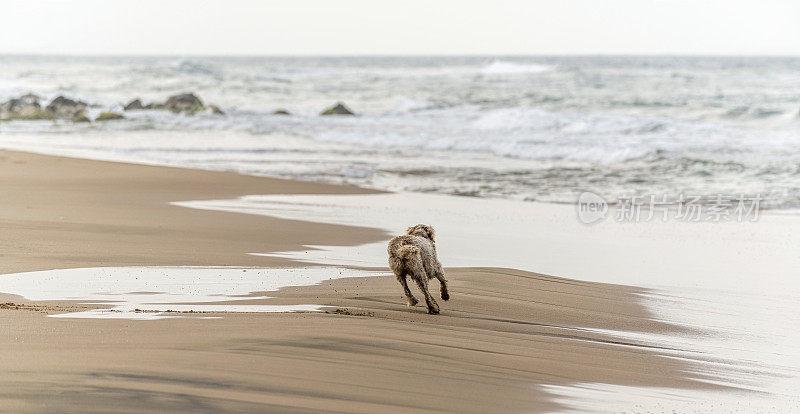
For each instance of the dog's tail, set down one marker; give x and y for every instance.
(407, 251)
(412, 260)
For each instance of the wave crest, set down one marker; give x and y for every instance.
(502, 67)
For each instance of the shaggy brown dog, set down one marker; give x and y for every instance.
(414, 255)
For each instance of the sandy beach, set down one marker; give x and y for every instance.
(504, 333)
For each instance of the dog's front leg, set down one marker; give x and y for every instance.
(443, 282)
(445, 293)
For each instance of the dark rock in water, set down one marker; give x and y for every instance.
(185, 102)
(24, 107)
(281, 112)
(215, 110)
(108, 116)
(81, 117)
(338, 109)
(66, 108)
(134, 105)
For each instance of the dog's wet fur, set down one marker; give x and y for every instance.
(414, 255)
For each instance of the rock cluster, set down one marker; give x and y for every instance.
(28, 107)
(183, 103)
(24, 107)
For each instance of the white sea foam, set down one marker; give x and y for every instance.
(605, 398)
(405, 104)
(502, 67)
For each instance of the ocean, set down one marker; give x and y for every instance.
(542, 128)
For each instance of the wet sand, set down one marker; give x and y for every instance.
(503, 333)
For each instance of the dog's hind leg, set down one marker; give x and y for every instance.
(410, 299)
(413, 264)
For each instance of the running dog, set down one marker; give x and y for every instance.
(414, 255)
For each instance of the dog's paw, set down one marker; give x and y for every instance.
(445, 295)
(411, 302)
(433, 311)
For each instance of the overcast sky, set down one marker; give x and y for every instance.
(300, 27)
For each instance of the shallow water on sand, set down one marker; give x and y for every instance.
(753, 257)
(734, 282)
(162, 292)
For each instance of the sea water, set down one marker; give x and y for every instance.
(538, 128)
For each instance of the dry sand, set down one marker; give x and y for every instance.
(504, 331)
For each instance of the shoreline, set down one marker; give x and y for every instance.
(504, 333)
(58, 197)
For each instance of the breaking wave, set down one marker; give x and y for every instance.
(502, 67)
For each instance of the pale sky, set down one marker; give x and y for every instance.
(331, 27)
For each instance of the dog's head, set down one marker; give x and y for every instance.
(421, 230)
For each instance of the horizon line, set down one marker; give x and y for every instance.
(393, 55)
